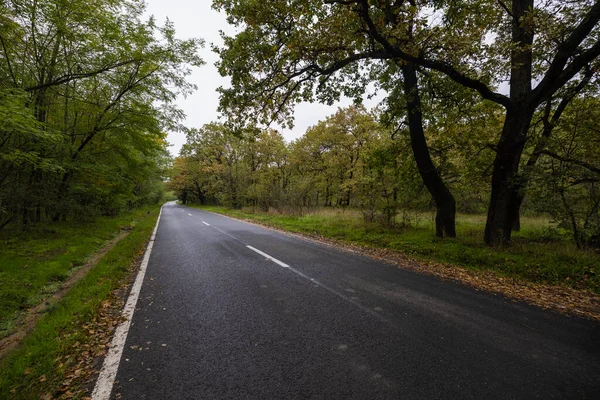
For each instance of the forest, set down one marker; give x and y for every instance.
(86, 100)
(488, 108)
(350, 160)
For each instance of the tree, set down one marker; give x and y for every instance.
(90, 87)
(567, 175)
(289, 51)
(215, 165)
(445, 219)
(266, 155)
(329, 157)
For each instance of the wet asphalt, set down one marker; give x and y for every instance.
(218, 320)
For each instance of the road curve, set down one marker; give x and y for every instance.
(231, 310)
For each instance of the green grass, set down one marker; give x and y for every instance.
(34, 262)
(539, 253)
(62, 329)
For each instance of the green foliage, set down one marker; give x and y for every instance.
(566, 178)
(290, 51)
(350, 160)
(86, 92)
(342, 161)
(212, 167)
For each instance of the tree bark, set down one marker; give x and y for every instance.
(517, 224)
(445, 219)
(184, 197)
(507, 185)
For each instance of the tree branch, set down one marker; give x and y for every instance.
(504, 6)
(550, 123)
(570, 96)
(583, 164)
(10, 70)
(437, 65)
(557, 75)
(71, 77)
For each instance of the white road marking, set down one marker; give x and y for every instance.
(205, 223)
(268, 257)
(330, 290)
(106, 379)
(314, 281)
(189, 214)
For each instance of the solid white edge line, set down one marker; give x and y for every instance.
(205, 223)
(276, 261)
(106, 379)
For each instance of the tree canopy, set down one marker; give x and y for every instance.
(86, 99)
(291, 51)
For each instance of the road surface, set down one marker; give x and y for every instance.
(231, 310)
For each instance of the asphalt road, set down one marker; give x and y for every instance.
(231, 310)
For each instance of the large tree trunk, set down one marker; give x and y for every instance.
(445, 219)
(507, 185)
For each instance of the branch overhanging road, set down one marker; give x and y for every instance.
(231, 310)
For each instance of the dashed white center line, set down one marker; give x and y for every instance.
(189, 214)
(268, 257)
(302, 275)
(317, 283)
(205, 223)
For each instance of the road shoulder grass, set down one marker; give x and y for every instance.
(56, 360)
(541, 267)
(37, 261)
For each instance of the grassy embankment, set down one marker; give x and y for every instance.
(539, 253)
(34, 264)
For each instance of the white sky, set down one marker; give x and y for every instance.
(196, 18)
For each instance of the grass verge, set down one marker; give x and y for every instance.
(38, 368)
(34, 263)
(540, 253)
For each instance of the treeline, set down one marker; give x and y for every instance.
(85, 93)
(351, 159)
(530, 60)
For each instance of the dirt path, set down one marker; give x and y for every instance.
(31, 316)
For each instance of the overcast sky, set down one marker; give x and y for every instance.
(196, 18)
